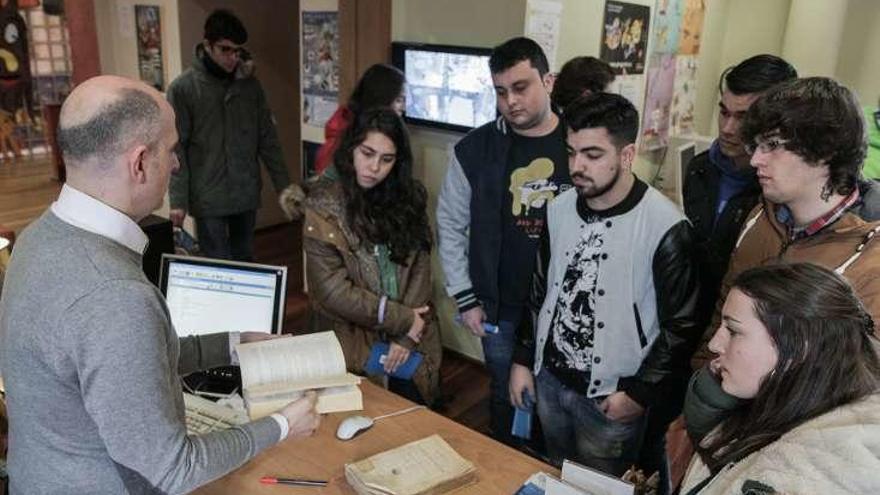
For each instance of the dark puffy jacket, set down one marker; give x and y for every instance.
(225, 129)
(714, 238)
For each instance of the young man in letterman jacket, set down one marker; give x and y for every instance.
(613, 297)
(490, 213)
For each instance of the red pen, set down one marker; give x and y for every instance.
(269, 480)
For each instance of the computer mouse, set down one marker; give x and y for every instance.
(352, 425)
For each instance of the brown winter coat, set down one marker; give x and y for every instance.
(764, 240)
(344, 289)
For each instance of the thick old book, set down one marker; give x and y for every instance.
(278, 371)
(425, 467)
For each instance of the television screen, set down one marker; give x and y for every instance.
(447, 87)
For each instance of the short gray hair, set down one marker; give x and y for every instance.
(133, 118)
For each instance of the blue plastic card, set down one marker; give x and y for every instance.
(487, 327)
(529, 489)
(375, 364)
(522, 418)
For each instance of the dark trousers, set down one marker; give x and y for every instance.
(229, 237)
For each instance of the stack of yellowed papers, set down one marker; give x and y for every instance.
(425, 467)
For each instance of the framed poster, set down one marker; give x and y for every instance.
(658, 102)
(625, 37)
(149, 45)
(320, 66)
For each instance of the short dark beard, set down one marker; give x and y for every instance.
(599, 192)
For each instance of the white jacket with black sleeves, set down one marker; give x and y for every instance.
(646, 291)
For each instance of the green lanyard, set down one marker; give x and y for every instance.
(387, 271)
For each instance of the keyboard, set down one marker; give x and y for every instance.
(205, 416)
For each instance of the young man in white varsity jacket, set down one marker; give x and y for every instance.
(613, 297)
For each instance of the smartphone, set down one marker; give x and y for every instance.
(522, 418)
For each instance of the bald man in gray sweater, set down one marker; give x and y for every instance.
(90, 359)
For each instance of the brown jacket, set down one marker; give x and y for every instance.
(847, 246)
(344, 289)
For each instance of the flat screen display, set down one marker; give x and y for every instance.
(207, 295)
(447, 87)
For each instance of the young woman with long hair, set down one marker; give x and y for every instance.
(381, 85)
(796, 347)
(367, 242)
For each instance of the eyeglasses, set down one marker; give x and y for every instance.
(766, 145)
(229, 49)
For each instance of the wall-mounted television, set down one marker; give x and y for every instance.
(447, 87)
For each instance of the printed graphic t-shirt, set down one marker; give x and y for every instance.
(537, 171)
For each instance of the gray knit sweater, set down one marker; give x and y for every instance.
(88, 355)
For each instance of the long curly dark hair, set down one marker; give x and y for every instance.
(395, 211)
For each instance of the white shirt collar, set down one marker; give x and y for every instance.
(83, 211)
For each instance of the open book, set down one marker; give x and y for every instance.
(425, 467)
(576, 480)
(278, 371)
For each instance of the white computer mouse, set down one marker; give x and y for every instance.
(352, 425)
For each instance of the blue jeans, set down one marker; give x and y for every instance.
(575, 428)
(227, 237)
(498, 352)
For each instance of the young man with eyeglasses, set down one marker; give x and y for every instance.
(807, 143)
(226, 129)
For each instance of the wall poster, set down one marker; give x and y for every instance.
(684, 98)
(543, 18)
(625, 37)
(320, 66)
(692, 27)
(149, 45)
(667, 26)
(658, 102)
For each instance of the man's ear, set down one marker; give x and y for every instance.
(136, 164)
(628, 155)
(549, 80)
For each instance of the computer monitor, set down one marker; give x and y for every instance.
(447, 87)
(210, 295)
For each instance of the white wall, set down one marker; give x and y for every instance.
(733, 31)
(115, 23)
(858, 65)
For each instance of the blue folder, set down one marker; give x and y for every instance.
(375, 364)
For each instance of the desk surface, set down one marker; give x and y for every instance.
(501, 469)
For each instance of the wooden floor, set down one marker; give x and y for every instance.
(27, 189)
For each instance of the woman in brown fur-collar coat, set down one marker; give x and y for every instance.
(367, 241)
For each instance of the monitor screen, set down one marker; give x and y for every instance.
(208, 295)
(447, 87)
